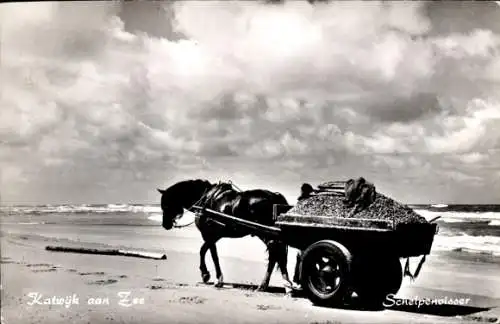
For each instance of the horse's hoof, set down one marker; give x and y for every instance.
(205, 277)
(220, 282)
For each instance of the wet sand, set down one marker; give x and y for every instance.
(169, 291)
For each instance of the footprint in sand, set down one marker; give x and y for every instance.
(155, 287)
(30, 265)
(166, 286)
(267, 307)
(99, 273)
(102, 282)
(192, 300)
(45, 270)
(180, 284)
(42, 267)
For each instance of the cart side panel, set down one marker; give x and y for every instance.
(414, 239)
(358, 242)
(405, 241)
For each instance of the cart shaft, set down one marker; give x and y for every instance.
(252, 227)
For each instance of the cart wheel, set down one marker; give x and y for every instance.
(325, 272)
(374, 279)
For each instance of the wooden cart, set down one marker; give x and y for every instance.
(339, 259)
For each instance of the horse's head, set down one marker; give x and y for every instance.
(181, 195)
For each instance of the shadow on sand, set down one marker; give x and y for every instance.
(440, 310)
(402, 305)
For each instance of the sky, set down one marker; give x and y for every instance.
(103, 102)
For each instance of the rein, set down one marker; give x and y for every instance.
(204, 196)
(189, 209)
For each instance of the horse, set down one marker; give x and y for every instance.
(251, 205)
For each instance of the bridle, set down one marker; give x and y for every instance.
(189, 209)
(208, 199)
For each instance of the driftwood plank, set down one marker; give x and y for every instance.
(130, 253)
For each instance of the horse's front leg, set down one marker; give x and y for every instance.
(267, 277)
(271, 263)
(218, 271)
(205, 275)
(282, 259)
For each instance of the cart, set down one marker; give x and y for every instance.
(337, 260)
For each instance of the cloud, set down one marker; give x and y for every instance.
(207, 88)
(474, 130)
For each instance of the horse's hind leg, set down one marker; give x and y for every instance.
(205, 275)
(218, 271)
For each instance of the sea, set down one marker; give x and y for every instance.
(464, 228)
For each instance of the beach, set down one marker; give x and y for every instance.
(118, 289)
(117, 116)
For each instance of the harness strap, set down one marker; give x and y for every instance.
(208, 196)
(235, 186)
(217, 191)
(201, 198)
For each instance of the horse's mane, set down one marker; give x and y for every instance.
(185, 184)
(193, 182)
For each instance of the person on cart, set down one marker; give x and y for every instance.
(306, 191)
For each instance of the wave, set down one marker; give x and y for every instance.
(471, 232)
(459, 208)
(156, 218)
(439, 206)
(451, 216)
(467, 243)
(30, 223)
(83, 208)
(186, 220)
(494, 223)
